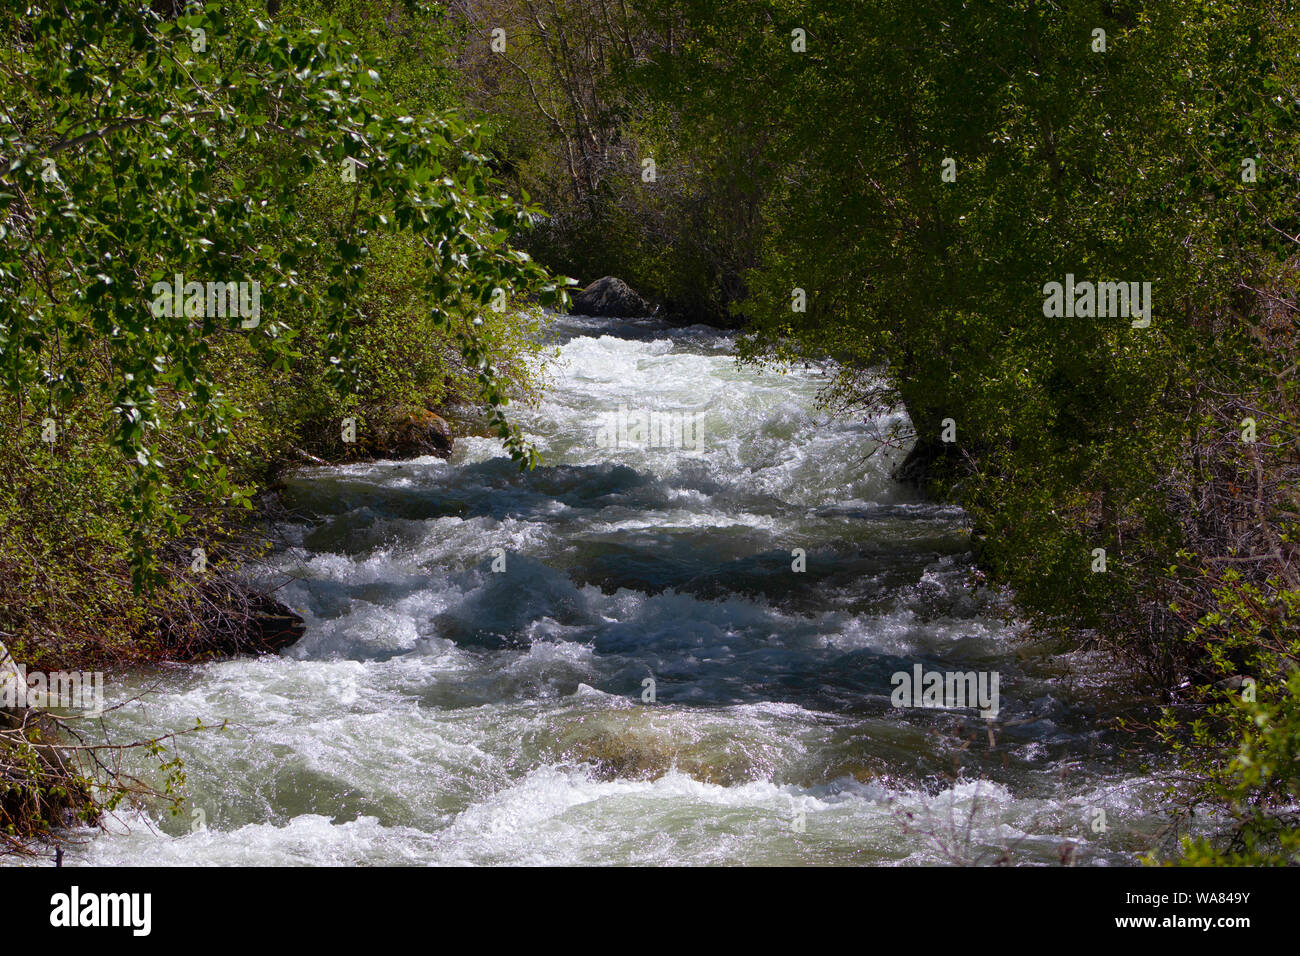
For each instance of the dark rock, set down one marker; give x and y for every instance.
(610, 297)
(926, 462)
(238, 619)
(272, 626)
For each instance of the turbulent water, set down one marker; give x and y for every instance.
(441, 711)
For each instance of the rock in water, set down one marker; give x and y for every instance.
(272, 626)
(415, 432)
(610, 297)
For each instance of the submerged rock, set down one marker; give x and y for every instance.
(610, 297)
(636, 745)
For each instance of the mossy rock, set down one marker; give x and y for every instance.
(409, 432)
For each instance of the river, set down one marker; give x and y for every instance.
(644, 678)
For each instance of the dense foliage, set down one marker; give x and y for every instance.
(220, 146)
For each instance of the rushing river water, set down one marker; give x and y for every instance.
(441, 711)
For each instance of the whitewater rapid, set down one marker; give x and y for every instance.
(440, 711)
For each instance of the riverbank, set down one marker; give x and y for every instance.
(203, 607)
